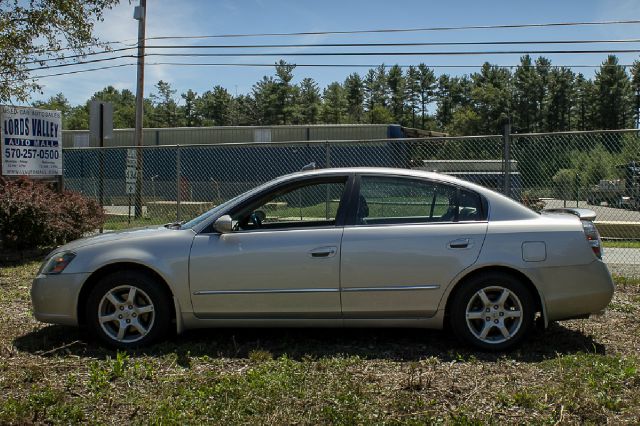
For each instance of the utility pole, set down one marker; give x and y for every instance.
(140, 14)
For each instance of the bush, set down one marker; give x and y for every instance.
(33, 215)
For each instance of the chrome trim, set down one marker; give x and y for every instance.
(394, 288)
(267, 291)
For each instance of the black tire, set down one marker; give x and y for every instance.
(109, 299)
(494, 317)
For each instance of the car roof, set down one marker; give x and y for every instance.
(388, 171)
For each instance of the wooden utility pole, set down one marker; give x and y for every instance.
(140, 14)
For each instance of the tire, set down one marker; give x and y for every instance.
(128, 310)
(493, 324)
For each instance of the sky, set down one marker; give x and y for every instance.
(219, 17)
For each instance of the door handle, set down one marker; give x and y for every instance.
(460, 243)
(323, 252)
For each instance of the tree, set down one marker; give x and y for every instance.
(635, 85)
(165, 106)
(396, 83)
(57, 102)
(334, 105)
(526, 87)
(34, 32)
(412, 92)
(214, 106)
(124, 106)
(265, 95)
(310, 101)
(190, 109)
(427, 85)
(285, 93)
(582, 103)
(613, 100)
(491, 96)
(355, 93)
(557, 106)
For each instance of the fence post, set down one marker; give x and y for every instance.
(178, 183)
(506, 139)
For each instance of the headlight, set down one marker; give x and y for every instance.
(57, 263)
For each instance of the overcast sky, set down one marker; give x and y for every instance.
(215, 17)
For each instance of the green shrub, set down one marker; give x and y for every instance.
(33, 215)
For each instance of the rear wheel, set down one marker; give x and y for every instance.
(492, 311)
(128, 309)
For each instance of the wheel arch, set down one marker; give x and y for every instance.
(540, 307)
(102, 272)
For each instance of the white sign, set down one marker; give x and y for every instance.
(31, 141)
(131, 171)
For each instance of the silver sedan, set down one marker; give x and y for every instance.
(356, 247)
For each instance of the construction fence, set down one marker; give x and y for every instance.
(596, 170)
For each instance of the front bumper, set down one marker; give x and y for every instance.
(575, 291)
(55, 297)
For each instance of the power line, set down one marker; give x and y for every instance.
(403, 44)
(405, 30)
(322, 54)
(432, 53)
(127, 42)
(264, 65)
(324, 45)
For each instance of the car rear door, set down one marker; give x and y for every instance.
(408, 238)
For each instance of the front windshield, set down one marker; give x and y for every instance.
(219, 208)
(204, 216)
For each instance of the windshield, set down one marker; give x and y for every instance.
(204, 216)
(219, 208)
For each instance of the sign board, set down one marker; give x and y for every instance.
(100, 121)
(31, 141)
(131, 171)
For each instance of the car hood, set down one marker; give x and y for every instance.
(109, 237)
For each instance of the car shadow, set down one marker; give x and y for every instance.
(298, 344)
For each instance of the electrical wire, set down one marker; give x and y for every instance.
(372, 31)
(257, 65)
(323, 45)
(405, 30)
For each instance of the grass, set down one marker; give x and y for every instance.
(575, 372)
(621, 243)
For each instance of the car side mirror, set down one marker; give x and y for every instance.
(224, 224)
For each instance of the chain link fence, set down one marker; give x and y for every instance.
(596, 170)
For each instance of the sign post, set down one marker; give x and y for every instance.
(31, 142)
(131, 177)
(100, 129)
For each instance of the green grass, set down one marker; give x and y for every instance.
(579, 372)
(621, 243)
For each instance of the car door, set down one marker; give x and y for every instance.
(283, 259)
(407, 240)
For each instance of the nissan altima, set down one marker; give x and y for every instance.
(352, 247)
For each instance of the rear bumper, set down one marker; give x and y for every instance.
(55, 297)
(575, 291)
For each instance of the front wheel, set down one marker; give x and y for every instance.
(493, 311)
(128, 309)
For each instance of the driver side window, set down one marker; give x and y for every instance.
(308, 205)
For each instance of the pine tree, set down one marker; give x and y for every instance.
(412, 92)
(310, 101)
(396, 83)
(334, 106)
(427, 87)
(355, 94)
(613, 95)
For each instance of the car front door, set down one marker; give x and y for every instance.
(282, 261)
(408, 239)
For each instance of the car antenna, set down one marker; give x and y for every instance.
(310, 166)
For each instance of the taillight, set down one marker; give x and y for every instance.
(593, 237)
